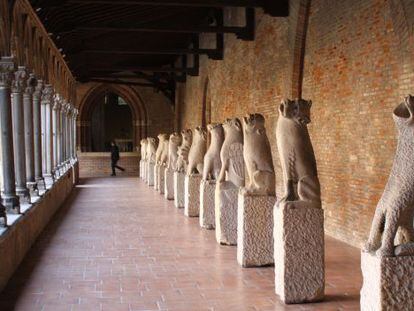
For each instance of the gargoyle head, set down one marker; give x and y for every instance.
(232, 124)
(254, 123)
(187, 136)
(175, 138)
(297, 110)
(201, 133)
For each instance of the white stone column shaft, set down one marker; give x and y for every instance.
(18, 86)
(29, 137)
(10, 201)
(55, 126)
(37, 132)
(48, 134)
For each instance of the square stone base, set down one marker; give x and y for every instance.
(299, 254)
(388, 283)
(192, 195)
(169, 184)
(255, 230)
(156, 177)
(207, 209)
(225, 202)
(141, 169)
(179, 179)
(150, 174)
(161, 177)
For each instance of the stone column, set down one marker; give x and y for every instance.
(29, 137)
(10, 201)
(75, 137)
(37, 132)
(56, 132)
(48, 134)
(68, 130)
(63, 135)
(18, 87)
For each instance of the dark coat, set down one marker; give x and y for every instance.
(114, 153)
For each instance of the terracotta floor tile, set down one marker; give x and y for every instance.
(119, 245)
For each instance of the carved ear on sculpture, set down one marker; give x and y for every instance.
(409, 103)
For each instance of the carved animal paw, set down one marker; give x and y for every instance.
(385, 252)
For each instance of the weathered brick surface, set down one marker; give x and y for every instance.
(358, 64)
(98, 164)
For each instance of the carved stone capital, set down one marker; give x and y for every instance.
(20, 80)
(7, 67)
(39, 89)
(57, 102)
(31, 84)
(47, 94)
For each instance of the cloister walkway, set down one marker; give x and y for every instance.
(119, 245)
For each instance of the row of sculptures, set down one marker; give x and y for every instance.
(238, 146)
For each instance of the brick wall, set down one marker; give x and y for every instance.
(98, 164)
(354, 59)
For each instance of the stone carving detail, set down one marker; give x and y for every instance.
(161, 139)
(151, 149)
(395, 210)
(257, 157)
(31, 84)
(47, 94)
(173, 145)
(7, 68)
(231, 153)
(164, 152)
(182, 161)
(19, 83)
(143, 143)
(212, 161)
(39, 88)
(300, 175)
(197, 152)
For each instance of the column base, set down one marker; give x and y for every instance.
(255, 230)
(169, 184)
(24, 195)
(192, 195)
(387, 282)
(49, 180)
(144, 171)
(179, 179)
(33, 190)
(225, 202)
(11, 203)
(299, 253)
(150, 176)
(41, 185)
(141, 170)
(3, 216)
(207, 218)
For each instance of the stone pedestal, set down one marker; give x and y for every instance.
(192, 195)
(388, 283)
(161, 179)
(156, 176)
(179, 179)
(299, 254)
(225, 201)
(141, 169)
(150, 174)
(169, 184)
(207, 218)
(255, 230)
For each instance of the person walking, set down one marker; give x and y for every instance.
(115, 158)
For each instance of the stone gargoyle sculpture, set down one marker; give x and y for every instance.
(173, 145)
(231, 154)
(143, 149)
(212, 161)
(164, 151)
(151, 149)
(182, 161)
(393, 219)
(300, 176)
(257, 157)
(161, 139)
(197, 152)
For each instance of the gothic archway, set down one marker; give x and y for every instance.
(88, 105)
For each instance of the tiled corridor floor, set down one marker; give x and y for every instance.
(119, 245)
